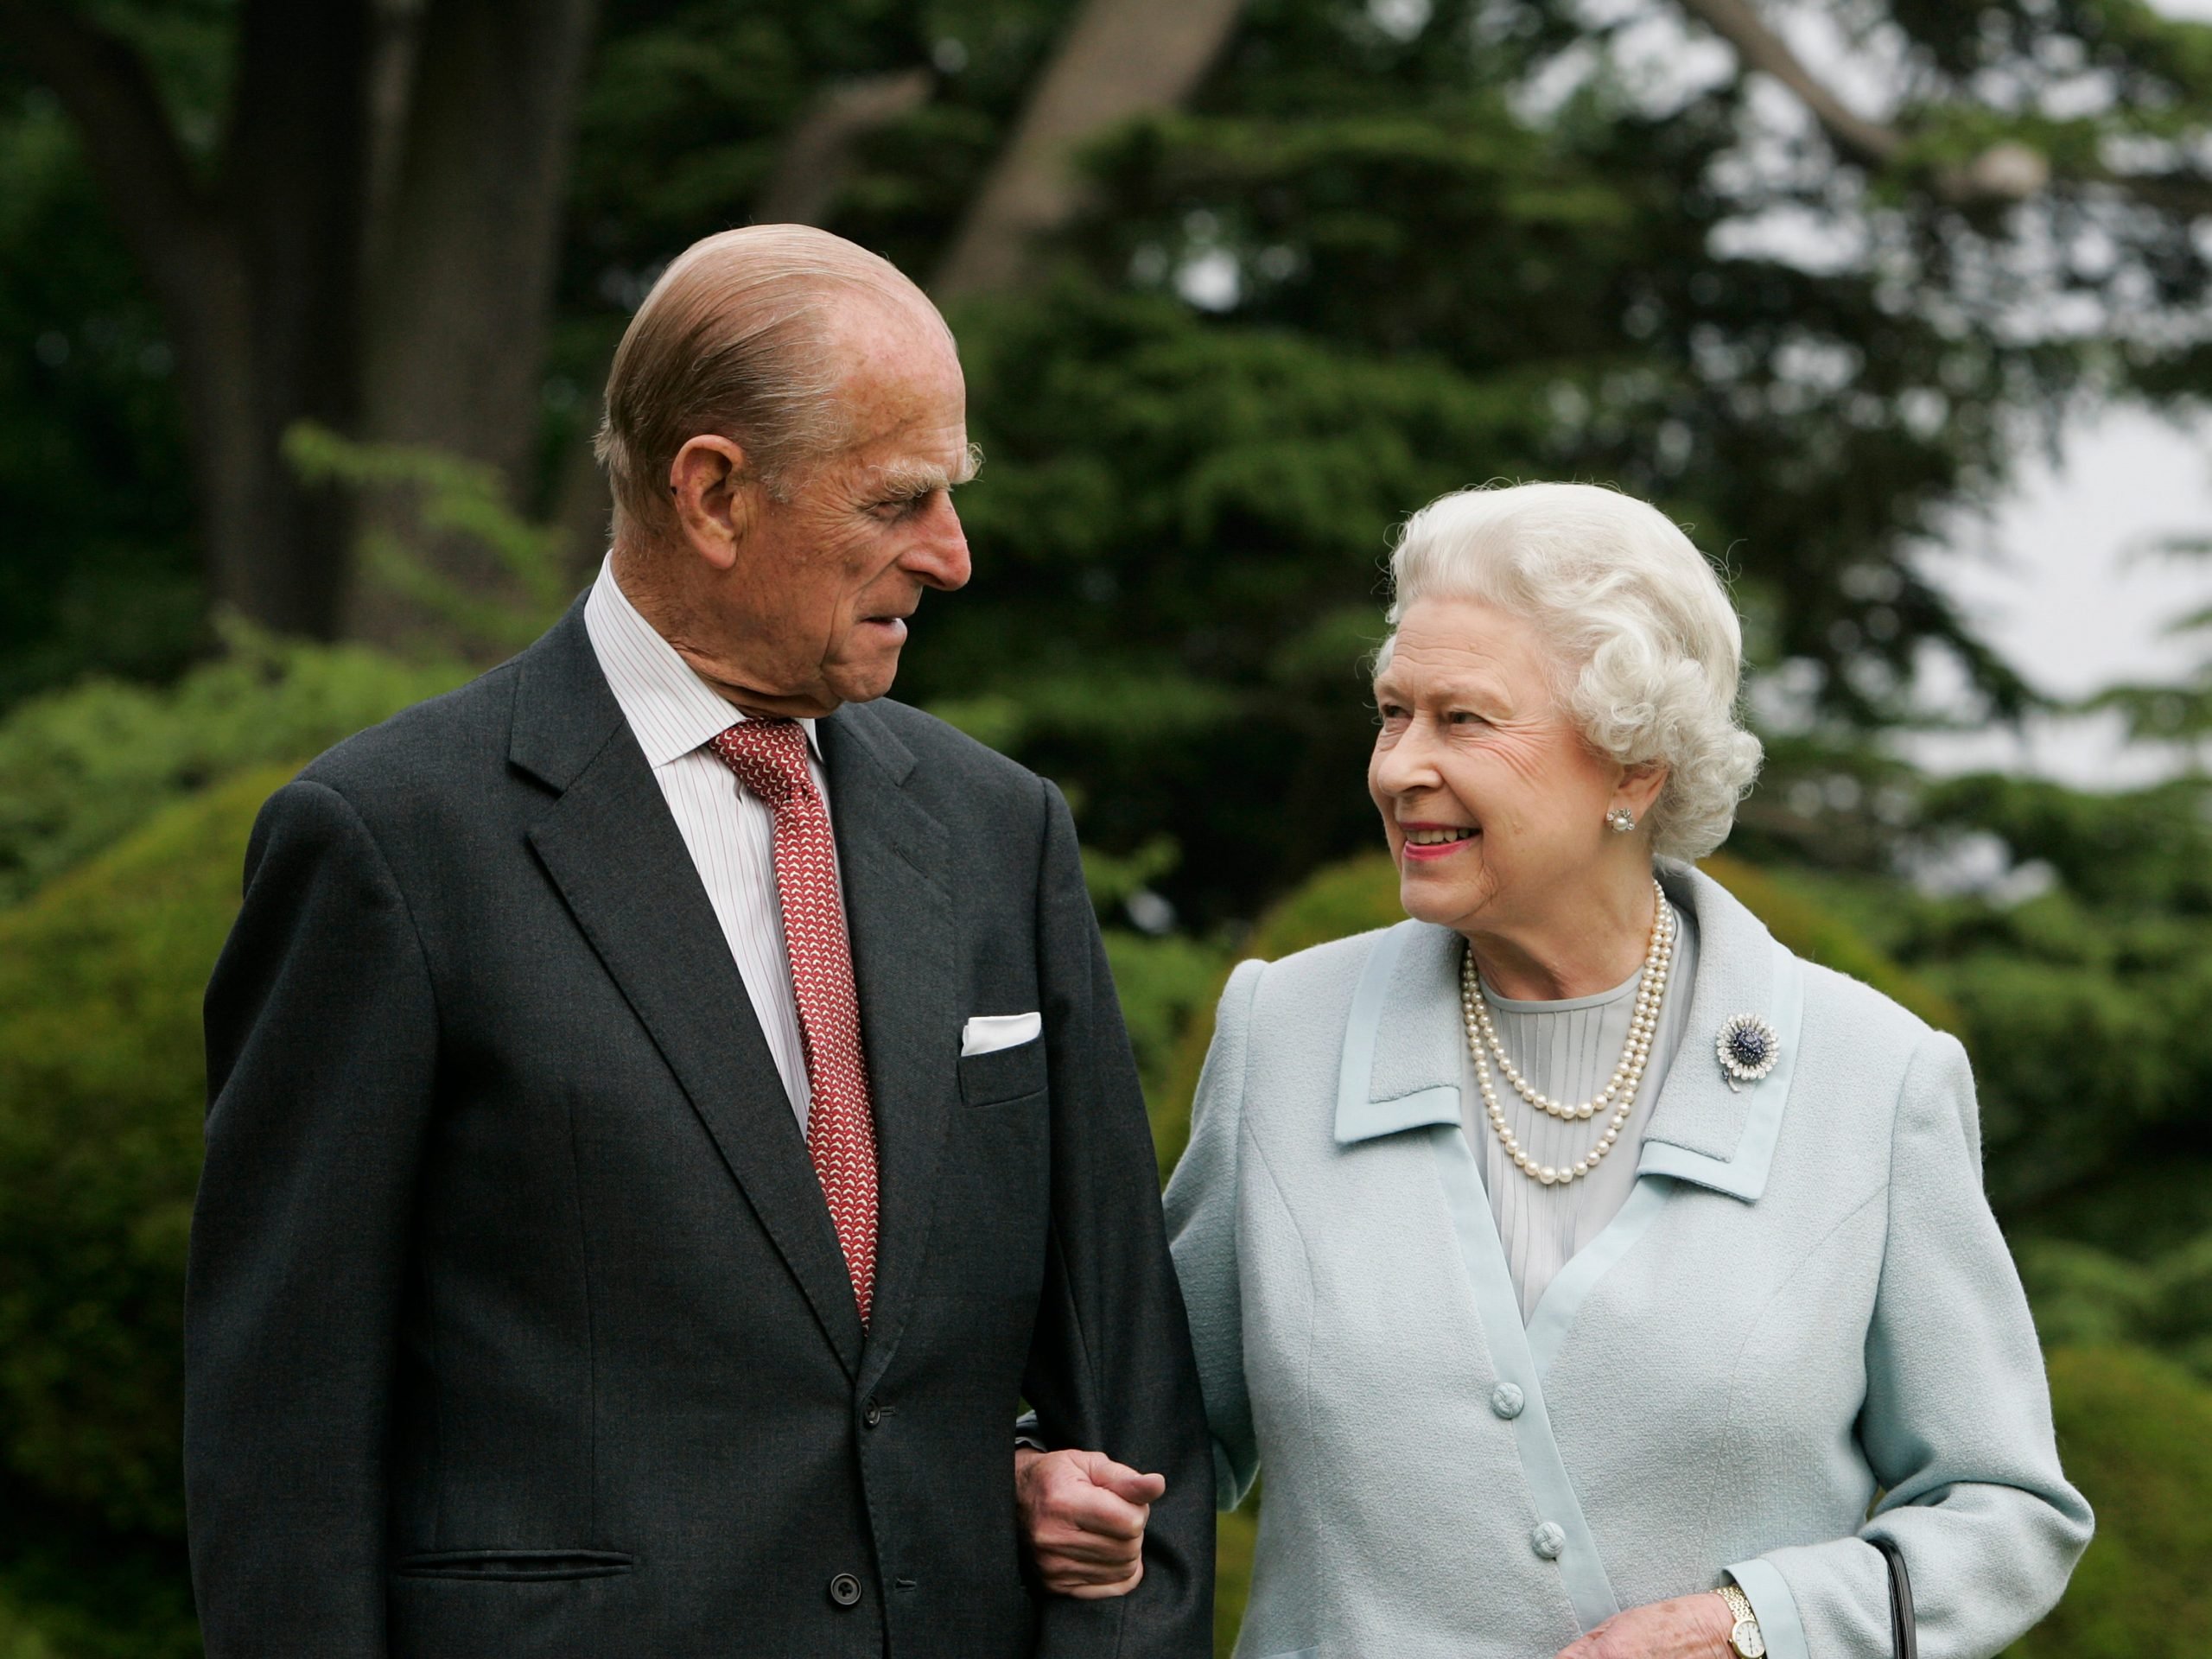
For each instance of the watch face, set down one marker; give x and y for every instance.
(1746, 1640)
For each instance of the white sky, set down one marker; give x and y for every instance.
(2060, 582)
(2061, 585)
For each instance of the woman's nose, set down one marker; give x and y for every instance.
(1406, 764)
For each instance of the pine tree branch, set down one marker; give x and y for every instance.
(1761, 48)
(2006, 172)
(817, 158)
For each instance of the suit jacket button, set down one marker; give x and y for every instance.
(872, 1415)
(1547, 1540)
(1506, 1401)
(844, 1589)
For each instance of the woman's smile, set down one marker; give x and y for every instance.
(1435, 840)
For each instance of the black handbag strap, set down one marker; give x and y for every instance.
(1902, 1642)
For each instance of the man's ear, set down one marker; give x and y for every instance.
(713, 497)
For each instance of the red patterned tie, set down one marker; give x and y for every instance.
(769, 757)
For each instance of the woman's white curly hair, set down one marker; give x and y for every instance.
(1646, 650)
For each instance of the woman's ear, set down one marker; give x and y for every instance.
(1639, 787)
(712, 497)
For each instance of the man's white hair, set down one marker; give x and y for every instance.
(1646, 652)
(735, 339)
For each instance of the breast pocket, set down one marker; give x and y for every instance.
(1004, 1074)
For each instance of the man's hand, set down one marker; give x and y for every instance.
(1083, 1516)
(1688, 1627)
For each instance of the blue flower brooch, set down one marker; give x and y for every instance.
(1748, 1048)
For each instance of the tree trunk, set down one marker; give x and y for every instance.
(398, 291)
(1121, 58)
(256, 278)
(461, 285)
(296, 192)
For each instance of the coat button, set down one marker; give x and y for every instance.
(872, 1415)
(844, 1589)
(1506, 1400)
(1547, 1540)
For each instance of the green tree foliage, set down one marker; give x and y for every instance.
(97, 568)
(453, 500)
(2088, 1006)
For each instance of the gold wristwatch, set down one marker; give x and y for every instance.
(1744, 1638)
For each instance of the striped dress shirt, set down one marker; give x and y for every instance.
(728, 830)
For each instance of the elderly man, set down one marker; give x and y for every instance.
(668, 1108)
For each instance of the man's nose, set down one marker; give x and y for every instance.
(938, 556)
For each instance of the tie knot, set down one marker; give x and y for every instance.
(769, 757)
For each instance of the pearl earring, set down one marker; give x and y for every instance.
(1620, 820)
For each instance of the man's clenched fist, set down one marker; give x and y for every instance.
(1084, 1516)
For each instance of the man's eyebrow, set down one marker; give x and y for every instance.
(900, 479)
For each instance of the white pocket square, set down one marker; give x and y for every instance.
(987, 1033)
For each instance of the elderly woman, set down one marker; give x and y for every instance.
(1590, 1274)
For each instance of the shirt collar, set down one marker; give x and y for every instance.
(670, 708)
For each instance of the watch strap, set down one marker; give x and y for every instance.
(1744, 1637)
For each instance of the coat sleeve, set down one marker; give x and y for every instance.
(1202, 1232)
(1109, 1366)
(321, 1051)
(1956, 1424)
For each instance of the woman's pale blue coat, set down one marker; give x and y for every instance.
(1805, 1302)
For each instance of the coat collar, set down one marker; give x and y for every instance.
(1402, 1044)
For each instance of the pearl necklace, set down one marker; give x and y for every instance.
(1621, 1089)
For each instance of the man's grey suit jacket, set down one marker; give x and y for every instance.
(517, 1324)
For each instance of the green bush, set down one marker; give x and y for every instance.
(101, 1098)
(19, 1638)
(79, 768)
(2136, 1433)
(101, 1101)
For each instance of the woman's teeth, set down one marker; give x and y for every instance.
(1436, 837)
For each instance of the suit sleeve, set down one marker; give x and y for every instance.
(322, 1054)
(1111, 1366)
(1956, 1423)
(1201, 1207)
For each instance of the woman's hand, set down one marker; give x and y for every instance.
(1688, 1627)
(1082, 1515)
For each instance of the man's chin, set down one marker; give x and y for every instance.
(863, 682)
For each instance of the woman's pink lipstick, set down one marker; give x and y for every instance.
(1440, 849)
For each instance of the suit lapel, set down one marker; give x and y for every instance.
(892, 853)
(612, 849)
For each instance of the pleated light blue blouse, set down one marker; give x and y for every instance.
(1567, 1049)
